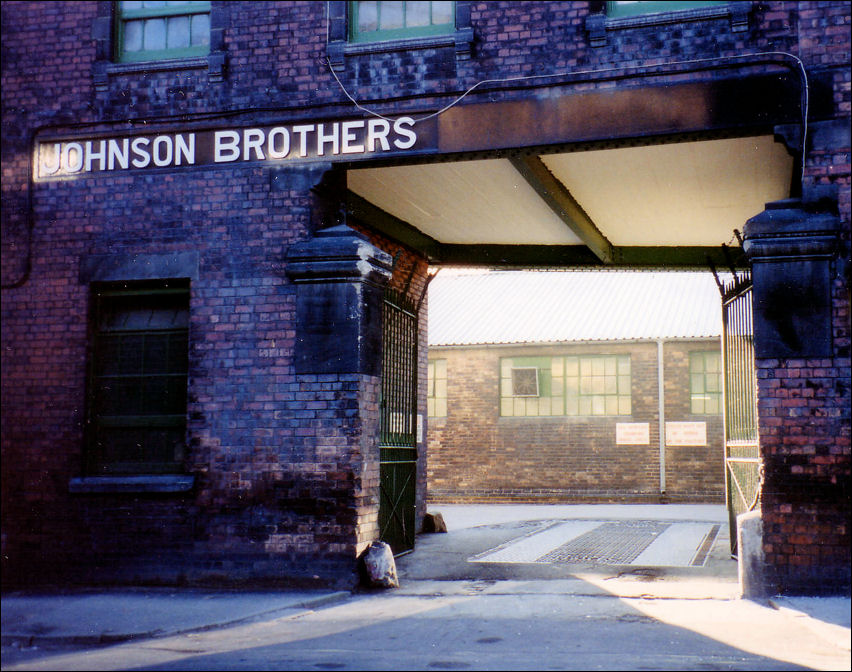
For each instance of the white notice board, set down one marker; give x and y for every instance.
(686, 433)
(632, 433)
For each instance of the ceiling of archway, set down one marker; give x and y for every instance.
(681, 195)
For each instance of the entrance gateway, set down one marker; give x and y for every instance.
(398, 420)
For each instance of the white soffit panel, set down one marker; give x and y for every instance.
(692, 193)
(465, 202)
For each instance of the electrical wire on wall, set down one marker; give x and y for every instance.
(717, 63)
(661, 69)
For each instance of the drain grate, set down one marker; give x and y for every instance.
(704, 550)
(627, 542)
(618, 543)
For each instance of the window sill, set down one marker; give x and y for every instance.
(194, 63)
(461, 40)
(131, 484)
(430, 42)
(214, 63)
(597, 25)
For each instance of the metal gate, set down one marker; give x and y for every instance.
(398, 422)
(743, 471)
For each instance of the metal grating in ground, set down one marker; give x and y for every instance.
(630, 542)
(533, 546)
(609, 544)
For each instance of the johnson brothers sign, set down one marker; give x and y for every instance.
(327, 140)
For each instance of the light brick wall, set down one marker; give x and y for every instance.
(474, 454)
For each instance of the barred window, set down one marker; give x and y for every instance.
(138, 378)
(377, 20)
(153, 30)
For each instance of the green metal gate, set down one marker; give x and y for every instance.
(743, 470)
(398, 422)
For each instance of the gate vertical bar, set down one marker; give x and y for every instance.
(398, 408)
(742, 457)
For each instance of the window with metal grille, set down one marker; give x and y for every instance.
(154, 30)
(436, 396)
(138, 378)
(705, 382)
(378, 20)
(525, 381)
(571, 385)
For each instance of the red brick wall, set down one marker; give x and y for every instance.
(265, 444)
(474, 454)
(804, 404)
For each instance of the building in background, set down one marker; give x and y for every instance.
(555, 385)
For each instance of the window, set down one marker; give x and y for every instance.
(572, 385)
(705, 382)
(525, 382)
(636, 7)
(153, 30)
(377, 20)
(138, 378)
(436, 396)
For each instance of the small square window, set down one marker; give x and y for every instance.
(525, 382)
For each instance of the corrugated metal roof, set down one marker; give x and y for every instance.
(469, 307)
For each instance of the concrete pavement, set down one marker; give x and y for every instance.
(441, 569)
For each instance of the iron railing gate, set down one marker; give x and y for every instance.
(398, 422)
(742, 456)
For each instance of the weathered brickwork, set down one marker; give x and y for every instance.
(411, 276)
(285, 464)
(475, 454)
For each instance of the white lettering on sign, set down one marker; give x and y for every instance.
(686, 433)
(226, 146)
(140, 150)
(632, 433)
(277, 143)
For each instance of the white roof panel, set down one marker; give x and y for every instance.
(469, 306)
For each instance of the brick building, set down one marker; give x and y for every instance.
(547, 386)
(215, 212)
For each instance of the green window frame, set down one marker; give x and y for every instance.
(621, 8)
(436, 395)
(138, 373)
(155, 30)
(381, 20)
(574, 385)
(705, 382)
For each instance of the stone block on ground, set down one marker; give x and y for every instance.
(434, 522)
(379, 566)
